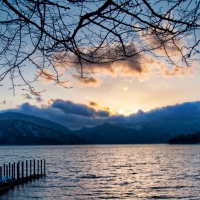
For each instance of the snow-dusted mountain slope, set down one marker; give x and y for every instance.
(17, 127)
(132, 133)
(20, 129)
(163, 130)
(36, 120)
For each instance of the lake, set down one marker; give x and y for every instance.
(109, 172)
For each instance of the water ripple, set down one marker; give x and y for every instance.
(109, 172)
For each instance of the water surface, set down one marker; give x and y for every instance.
(109, 172)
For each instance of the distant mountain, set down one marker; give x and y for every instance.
(103, 134)
(20, 129)
(161, 131)
(36, 120)
(110, 134)
(139, 133)
(17, 128)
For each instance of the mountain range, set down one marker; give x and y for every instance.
(139, 133)
(20, 129)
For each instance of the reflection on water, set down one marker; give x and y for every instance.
(110, 172)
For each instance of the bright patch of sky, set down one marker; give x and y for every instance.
(124, 93)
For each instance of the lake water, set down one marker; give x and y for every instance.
(109, 172)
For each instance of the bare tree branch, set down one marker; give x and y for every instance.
(85, 32)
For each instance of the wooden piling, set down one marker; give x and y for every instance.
(7, 171)
(34, 167)
(12, 175)
(4, 169)
(41, 166)
(26, 168)
(30, 168)
(18, 170)
(22, 173)
(38, 167)
(14, 170)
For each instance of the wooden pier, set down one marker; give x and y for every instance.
(20, 172)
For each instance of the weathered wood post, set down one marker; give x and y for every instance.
(26, 168)
(14, 170)
(6, 171)
(38, 167)
(9, 169)
(22, 170)
(44, 167)
(34, 167)
(41, 166)
(0, 173)
(30, 168)
(17, 170)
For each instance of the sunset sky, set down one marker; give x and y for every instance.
(113, 95)
(109, 92)
(112, 92)
(124, 94)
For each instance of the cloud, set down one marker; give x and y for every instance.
(86, 81)
(179, 71)
(171, 47)
(66, 113)
(184, 110)
(130, 67)
(75, 116)
(97, 105)
(92, 103)
(70, 107)
(142, 66)
(37, 95)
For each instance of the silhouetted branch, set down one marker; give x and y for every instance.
(84, 32)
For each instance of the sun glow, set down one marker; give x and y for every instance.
(125, 88)
(121, 111)
(136, 110)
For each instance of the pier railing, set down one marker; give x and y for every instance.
(20, 172)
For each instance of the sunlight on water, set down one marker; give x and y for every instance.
(109, 172)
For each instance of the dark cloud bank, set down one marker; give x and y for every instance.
(76, 116)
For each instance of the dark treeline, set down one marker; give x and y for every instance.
(186, 139)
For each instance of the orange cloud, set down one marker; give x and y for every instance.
(179, 71)
(98, 106)
(86, 81)
(92, 103)
(144, 67)
(106, 108)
